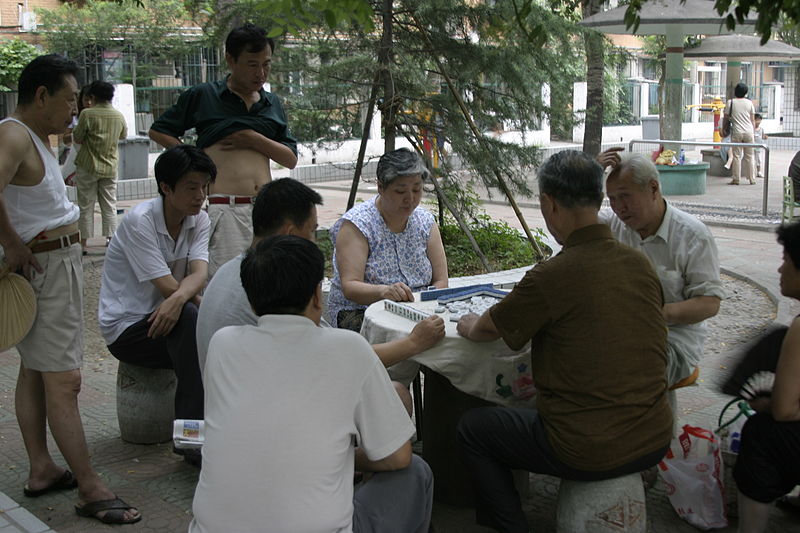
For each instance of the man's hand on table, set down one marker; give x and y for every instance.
(427, 333)
(397, 292)
(465, 324)
(610, 157)
(478, 328)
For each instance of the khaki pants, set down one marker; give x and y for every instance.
(91, 189)
(742, 169)
(231, 233)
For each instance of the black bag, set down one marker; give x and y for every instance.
(725, 131)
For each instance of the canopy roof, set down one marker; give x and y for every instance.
(695, 17)
(742, 46)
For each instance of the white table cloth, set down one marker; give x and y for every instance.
(490, 370)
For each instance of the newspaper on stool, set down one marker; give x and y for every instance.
(188, 434)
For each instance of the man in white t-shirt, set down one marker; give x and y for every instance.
(284, 416)
(155, 268)
(680, 247)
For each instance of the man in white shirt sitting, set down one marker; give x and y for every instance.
(286, 403)
(680, 247)
(155, 268)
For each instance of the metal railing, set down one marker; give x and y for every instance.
(719, 143)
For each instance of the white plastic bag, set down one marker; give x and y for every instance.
(692, 473)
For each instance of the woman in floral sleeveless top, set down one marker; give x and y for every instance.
(387, 247)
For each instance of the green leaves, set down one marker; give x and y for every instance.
(14, 55)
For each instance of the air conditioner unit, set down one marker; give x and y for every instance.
(27, 21)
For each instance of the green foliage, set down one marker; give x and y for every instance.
(616, 98)
(504, 247)
(152, 30)
(14, 55)
(492, 65)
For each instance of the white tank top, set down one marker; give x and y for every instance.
(41, 207)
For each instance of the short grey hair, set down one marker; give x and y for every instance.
(398, 164)
(642, 169)
(572, 178)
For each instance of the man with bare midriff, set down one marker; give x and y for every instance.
(241, 127)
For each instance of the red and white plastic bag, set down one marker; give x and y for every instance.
(692, 472)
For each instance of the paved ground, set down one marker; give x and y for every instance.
(162, 486)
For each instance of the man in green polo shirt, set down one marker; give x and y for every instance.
(242, 128)
(593, 315)
(99, 130)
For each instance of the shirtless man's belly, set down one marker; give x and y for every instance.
(240, 172)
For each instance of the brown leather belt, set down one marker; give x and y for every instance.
(64, 241)
(230, 200)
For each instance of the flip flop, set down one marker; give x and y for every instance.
(114, 511)
(66, 482)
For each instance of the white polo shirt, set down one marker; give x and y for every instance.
(684, 255)
(141, 251)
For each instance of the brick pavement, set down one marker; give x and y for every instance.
(161, 485)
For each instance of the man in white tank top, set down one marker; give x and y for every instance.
(39, 237)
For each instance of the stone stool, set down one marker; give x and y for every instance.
(616, 504)
(145, 403)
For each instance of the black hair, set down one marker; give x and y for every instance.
(740, 91)
(789, 237)
(281, 274)
(247, 38)
(176, 162)
(102, 91)
(282, 200)
(83, 92)
(758, 116)
(46, 71)
(573, 179)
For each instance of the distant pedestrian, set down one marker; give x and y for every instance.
(741, 112)
(758, 137)
(99, 130)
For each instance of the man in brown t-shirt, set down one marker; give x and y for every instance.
(593, 315)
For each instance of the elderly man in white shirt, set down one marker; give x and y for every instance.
(681, 248)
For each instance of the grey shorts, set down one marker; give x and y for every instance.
(55, 342)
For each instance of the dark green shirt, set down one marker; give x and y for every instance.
(598, 353)
(215, 112)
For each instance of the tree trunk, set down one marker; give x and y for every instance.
(362, 148)
(389, 107)
(593, 126)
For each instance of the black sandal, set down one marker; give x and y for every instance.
(114, 511)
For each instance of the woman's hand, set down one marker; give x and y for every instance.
(397, 292)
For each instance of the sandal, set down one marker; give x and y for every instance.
(114, 511)
(66, 482)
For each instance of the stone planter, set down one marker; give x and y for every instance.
(689, 179)
(716, 164)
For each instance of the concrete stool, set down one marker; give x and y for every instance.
(145, 403)
(602, 506)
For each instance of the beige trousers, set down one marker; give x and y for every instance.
(91, 189)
